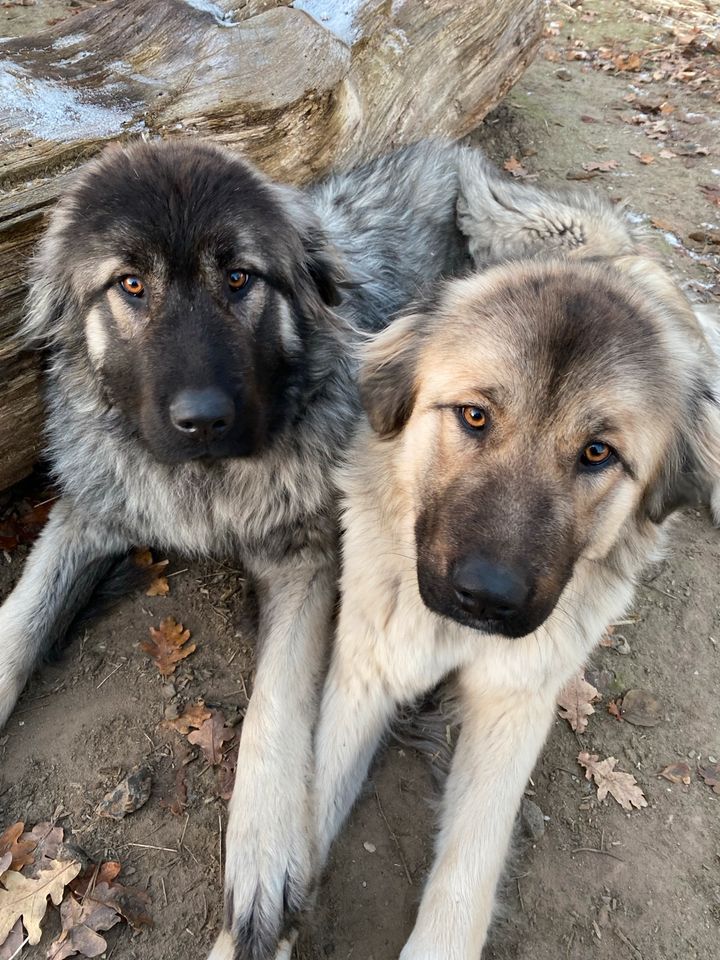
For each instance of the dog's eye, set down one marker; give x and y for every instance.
(132, 285)
(597, 454)
(237, 279)
(474, 417)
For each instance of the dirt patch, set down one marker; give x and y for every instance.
(600, 882)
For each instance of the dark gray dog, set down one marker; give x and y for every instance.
(200, 389)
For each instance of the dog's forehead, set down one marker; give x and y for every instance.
(560, 330)
(176, 203)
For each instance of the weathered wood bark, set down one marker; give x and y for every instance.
(300, 89)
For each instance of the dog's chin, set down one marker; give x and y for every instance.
(514, 627)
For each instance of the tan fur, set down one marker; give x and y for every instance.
(485, 343)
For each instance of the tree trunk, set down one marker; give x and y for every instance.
(300, 90)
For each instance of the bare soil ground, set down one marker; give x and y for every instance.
(600, 883)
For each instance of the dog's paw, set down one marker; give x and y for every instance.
(268, 879)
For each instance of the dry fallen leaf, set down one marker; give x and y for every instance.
(5, 862)
(641, 708)
(711, 775)
(93, 874)
(167, 645)
(128, 796)
(645, 158)
(515, 168)
(159, 586)
(193, 716)
(676, 773)
(712, 192)
(131, 902)
(97, 881)
(614, 710)
(710, 237)
(80, 923)
(47, 838)
(627, 63)
(575, 702)
(26, 897)
(18, 846)
(211, 736)
(622, 786)
(601, 166)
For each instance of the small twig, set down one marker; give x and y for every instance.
(20, 948)
(182, 835)
(176, 573)
(651, 586)
(628, 943)
(110, 675)
(605, 853)
(150, 846)
(394, 838)
(522, 902)
(162, 884)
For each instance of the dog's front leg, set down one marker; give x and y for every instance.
(270, 837)
(72, 556)
(503, 730)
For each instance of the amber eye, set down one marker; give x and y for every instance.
(474, 417)
(596, 454)
(237, 279)
(133, 285)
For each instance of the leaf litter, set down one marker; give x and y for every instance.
(90, 900)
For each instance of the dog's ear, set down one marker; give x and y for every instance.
(692, 476)
(322, 263)
(387, 374)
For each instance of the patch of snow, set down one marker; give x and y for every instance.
(337, 16)
(51, 111)
(672, 239)
(70, 41)
(206, 6)
(634, 217)
(397, 40)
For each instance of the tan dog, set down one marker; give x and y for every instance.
(529, 433)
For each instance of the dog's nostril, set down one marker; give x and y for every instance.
(202, 414)
(487, 590)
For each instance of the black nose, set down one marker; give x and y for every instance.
(204, 414)
(489, 591)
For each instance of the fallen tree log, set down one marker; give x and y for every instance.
(300, 89)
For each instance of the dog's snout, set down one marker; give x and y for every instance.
(489, 591)
(203, 415)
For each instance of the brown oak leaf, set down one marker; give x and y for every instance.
(575, 702)
(93, 874)
(131, 902)
(622, 786)
(5, 862)
(26, 897)
(515, 168)
(168, 645)
(602, 166)
(18, 846)
(211, 736)
(192, 717)
(676, 773)
(646, 158)
(712, 192)
(159, 586)
(80, 925)
(711, 775)
(47, 838)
